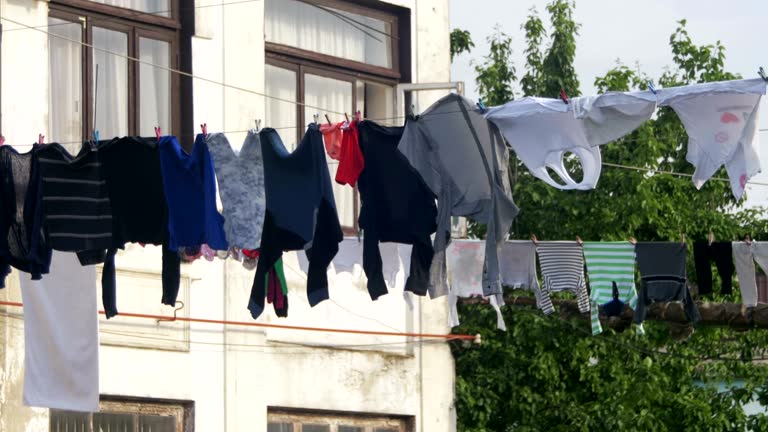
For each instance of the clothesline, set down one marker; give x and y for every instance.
(280, 326)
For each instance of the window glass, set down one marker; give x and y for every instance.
(279, 427)
(110, 84)
(113, 422)
(64, 421)
(65, 81)
(351, 429)
(156, 7)
(333, 95)
(154, 86)
(329, 31)
(156, 423)
(315, 428)
(280, 114)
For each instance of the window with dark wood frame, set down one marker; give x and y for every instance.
(308, 67)
(118, 110)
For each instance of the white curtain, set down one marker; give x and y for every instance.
(297, 24)
(281, 115)
(65, 82)
(111, 91)
(143, 5)
(333, 95)
(155, 87)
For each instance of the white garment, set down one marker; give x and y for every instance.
(721, 121)
(745, 255)
(542, 131)
(61, 337)
(465, 270)
(349, 259)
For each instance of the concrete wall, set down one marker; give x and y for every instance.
(233, 374)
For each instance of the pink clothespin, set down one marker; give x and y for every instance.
(158, 132)
(204, 128)
(40, 138)
(2, 140)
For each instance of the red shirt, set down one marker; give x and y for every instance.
(351, 162)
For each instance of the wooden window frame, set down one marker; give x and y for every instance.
(136, 25)
(368, 421)
(182, 411)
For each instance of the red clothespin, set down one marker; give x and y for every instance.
(563, 96)
(40, 138)
(158, 132)
(2, 140)
(204, 128)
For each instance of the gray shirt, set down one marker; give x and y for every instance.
(464, 161)
(241, 188)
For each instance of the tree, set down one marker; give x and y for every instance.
(461, 42)
(549, 372)
(496, 73)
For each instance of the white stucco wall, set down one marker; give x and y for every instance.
(233, 374)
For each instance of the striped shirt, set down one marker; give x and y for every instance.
(609, 262)
(562, 267)
(76, 205)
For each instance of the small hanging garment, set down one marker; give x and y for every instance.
(76, 206)
(396, 206)
(542, 131)
(241, 187)
(518, 267)
(465, 267)
(350, 259)
(351, 161)
(745, 254)
(130, 165)
(721, 121)
(562, 267)
(722, 254)
(464, 162)
(23, 243)
(663, 278)
(615, 307)
(332, 135)
(301, 213)
(61, 337)
(610, 265)
(190, 188)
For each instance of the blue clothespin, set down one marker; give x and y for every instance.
(762, 74)
(96, 136)
(651, 87)
(481, 105)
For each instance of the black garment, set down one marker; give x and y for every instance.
(301, 213)
(396, 206)
(23, 243)
(131, 167)
(76, 207)
(614, 307)
(722, 254)
(663, 278)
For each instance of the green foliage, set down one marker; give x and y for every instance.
(461, 42)
(496, 74)
(548, 374)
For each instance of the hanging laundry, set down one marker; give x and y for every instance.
(241, 188)
(332, 136)
(465, 267)
(464, 161)
(562, 268)
(615, 307)
(351, 161)
(518, 267)
(396, 206)
(23, 243)
(542, 131)
(610, 266)
(663, 278)
(61, 337)
(745, 254)
(301, 212)
(76, 206)
(277, 289)
(190, 188)
(722, 254)
(721, 121)
(351, 259)
(136, 217)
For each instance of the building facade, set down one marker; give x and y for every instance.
(70, 67)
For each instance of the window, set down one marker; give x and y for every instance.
(98, 87)
(332, 57)
(125, 416)
(297, 421)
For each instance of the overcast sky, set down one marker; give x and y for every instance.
(633, 31)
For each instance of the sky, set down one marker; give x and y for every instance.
(635, 32)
